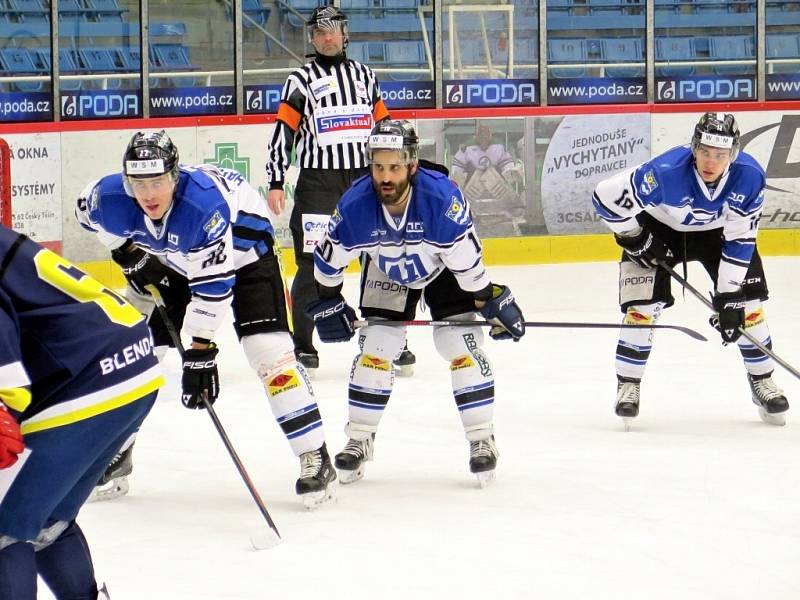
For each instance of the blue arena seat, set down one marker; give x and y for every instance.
(677, 49)
(568, 51)
(101, 60)
(72, 9)
(405, 54)
(783, 45)
(17, 61)
(29, 11)
(622, 50)
(606, 7)
(174, 57)
(106, 10)
(732, 47)
(710, 6)
(526, 56)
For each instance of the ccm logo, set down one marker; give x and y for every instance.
(208, 364)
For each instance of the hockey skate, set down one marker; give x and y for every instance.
(316, 484)
(309, 361)
(769, 398)
(404, 364)
(350, 461)
(627, 400)
(483, 456)
(114, 482)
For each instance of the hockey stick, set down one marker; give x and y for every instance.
(553, 324)
(259, 541)
(688, 286)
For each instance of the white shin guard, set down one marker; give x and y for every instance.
(471, 376)
(291, 397)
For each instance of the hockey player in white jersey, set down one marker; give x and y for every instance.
(202, 235)
(413, 231)
(700, 202)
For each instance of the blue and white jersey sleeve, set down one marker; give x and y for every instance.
(463, 256)
(89, 216)
(331, 255)
(741, 214)
(618, 199)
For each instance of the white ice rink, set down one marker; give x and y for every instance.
(698, 502)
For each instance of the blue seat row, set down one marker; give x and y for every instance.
(576, 51)
(94, 59)
(37, 11)
(391, 54)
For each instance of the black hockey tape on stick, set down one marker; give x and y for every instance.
(688, 286)
(545, 324)
(257, 541)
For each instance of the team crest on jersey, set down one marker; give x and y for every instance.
(649, 183)
(461, 362)
(374, 362)
(457, 212)
(215, 225)
(283, 382)
(335, 219)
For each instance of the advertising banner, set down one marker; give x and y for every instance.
(596, 90)
(25, 106)
(783, 86)
(583, 150)
(36, 199)
(490, 92)
(214, 100)
(408, 94)
(96, 104)
(262, 98)
(705, 89)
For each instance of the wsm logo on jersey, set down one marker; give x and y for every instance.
(405, 268)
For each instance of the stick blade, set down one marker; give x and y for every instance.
(265, 539)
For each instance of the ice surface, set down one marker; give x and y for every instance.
(698, 502)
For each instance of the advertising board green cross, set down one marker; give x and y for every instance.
(227, 156)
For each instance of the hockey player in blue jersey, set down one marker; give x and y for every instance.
(78, 374)
(699, 202)
(202, 235)
(413, 231)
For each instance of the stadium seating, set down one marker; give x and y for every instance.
(732, 47)
(101, 60)
(401, 54)
(622, 50)
(567, 51)
(677, 49)
(28, 11)
(17, 61)
(173, 57)
(785, 45)
(106, 10)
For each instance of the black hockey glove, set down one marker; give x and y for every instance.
(502, 310)
(333, 318)
(139, 267)
(200, 376)
(644, 249)
(729, 316)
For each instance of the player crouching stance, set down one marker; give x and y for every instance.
(701, 202)
(414, 233)
(77, 376)
(202, 236)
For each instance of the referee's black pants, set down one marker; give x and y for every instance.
(317, 192)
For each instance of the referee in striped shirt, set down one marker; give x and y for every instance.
(327, 110)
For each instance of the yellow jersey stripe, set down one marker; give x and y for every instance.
(34, 425)
(16, 398)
